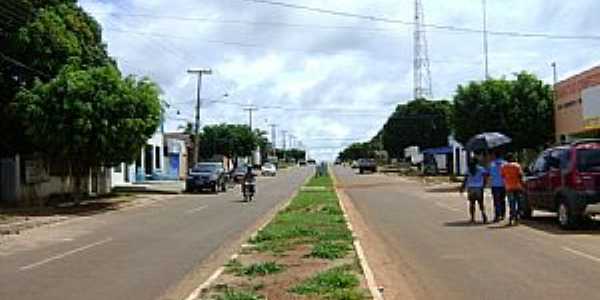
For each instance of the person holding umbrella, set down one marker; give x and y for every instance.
(490, 141)
(474, 183)
(497, 185)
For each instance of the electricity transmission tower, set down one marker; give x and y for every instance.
(422, 73)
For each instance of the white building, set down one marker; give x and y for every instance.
(149, 165)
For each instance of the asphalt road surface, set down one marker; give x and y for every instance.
(138, 253)
(425, 239)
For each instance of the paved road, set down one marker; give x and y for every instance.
(140, 253)
(425, 239)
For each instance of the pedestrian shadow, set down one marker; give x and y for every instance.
(464, 223)
(549, 224)
(444, 189)
(497, 226)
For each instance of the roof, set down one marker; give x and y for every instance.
(440, 150)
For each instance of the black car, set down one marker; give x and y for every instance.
(207, 176)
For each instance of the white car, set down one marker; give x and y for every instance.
(269, 170)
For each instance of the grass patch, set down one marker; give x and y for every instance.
(329, 250)
(336, 283)
(320, 181)
(258, 269)
(231, 294)
(311, 218)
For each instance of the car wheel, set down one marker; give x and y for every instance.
(213, 189)
(224, 187)
(567, 219)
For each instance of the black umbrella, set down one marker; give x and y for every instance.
(486, 141)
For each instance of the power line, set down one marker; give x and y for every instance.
(246, 22)
(430, 25)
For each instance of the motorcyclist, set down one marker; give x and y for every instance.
(249, 178)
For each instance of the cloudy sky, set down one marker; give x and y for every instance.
(331, 80)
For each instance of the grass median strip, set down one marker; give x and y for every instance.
(305, 251)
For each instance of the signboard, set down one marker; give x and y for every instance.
(590, 98)
(36, 171)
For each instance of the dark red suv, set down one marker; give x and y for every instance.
(566, 180)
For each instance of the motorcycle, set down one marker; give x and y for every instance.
(248, 190)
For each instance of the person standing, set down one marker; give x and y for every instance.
(474, 183)
(498, 188)
(513, 180)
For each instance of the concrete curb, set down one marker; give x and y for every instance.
(371, 284)
(217, 273)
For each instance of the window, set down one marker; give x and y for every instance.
(157, 157)
(541, 164)
(562, 155)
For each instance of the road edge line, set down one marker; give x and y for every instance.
(215, 275)
(362, 258)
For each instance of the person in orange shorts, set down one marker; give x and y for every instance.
(512, 173)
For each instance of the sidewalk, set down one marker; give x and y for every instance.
(153, 187)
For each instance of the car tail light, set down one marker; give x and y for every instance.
(575, 181)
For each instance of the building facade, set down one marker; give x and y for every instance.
(577, 105)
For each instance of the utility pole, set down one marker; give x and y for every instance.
(485, 40)
(554, 75)
(250, 109)
(273, 136)
(283, 133)
(199, 72)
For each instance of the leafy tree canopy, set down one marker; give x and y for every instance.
(421, 122)
(521, 108)
(90, 117)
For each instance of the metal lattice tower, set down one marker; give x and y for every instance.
(422, 73)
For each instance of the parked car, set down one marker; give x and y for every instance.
(338, 162)
(354, 164)
(365, 164)
(238, 173)
(311, 162)
(268, 169)
(566, 180)
(207, 175)
(302, 162)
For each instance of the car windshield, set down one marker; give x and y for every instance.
(588, 160)
(204, 168)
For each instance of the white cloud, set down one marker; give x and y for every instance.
(365, 65)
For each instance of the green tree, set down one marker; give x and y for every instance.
(90, 118)
(520, 108)
(421, 122)
(229, 139)
(356, 151)
(38, 39)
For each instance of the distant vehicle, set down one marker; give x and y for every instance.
(566, 180)
(365, 164)
(338, 162)
(302, 162)
(269, 169)
(354, 164)
(312, 162)
(207, 175)
(237, 175)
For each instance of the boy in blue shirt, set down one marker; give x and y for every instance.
(474, 183)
